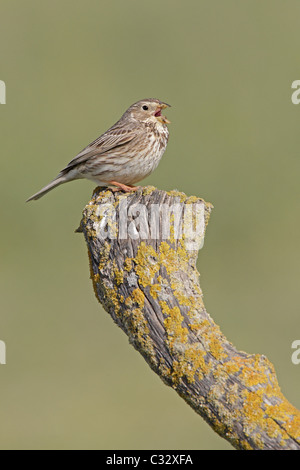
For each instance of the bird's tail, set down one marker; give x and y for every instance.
(60, 179)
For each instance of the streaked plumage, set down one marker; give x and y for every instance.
(125, 154)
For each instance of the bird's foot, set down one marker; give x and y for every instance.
(122, 187)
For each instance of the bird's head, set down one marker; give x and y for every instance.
(149, 110)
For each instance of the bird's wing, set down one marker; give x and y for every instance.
(114, 137)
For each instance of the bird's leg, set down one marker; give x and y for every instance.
(123, 187)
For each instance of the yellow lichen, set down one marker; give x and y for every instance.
(182, 299)
(104, 254)
(145, 267)
(119, 276)
(147, 190)
(155, 290)
(112, 299)
(252, 405)
(216, 348)
(138, 296)
(128, 264)
(243, 445)
(168, 257)
(173, 324)
(285, 412)
(194, 358)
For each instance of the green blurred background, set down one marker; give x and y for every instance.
(71, 69)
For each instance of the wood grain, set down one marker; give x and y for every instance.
(149, 284)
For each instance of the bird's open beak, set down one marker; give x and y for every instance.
(158, 114)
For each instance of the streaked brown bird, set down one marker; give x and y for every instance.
(125, 154)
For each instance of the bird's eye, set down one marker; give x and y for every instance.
(145, 108)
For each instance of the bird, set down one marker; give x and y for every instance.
(125, 154)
